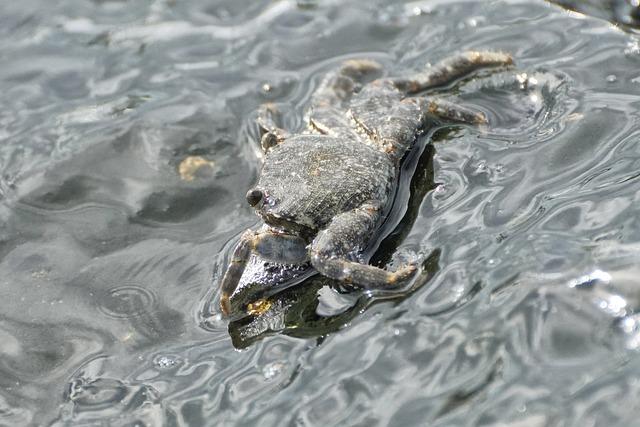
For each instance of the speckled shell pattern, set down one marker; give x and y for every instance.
(309, 179)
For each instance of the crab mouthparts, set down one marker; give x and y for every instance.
(288, 225)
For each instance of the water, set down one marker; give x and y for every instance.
(621, 12)
(127, 148)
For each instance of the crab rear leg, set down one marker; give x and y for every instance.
(448, 112)
(332, 251)
(271, 246)
(451, 69)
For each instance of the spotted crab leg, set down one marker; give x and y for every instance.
(331, 100)
(451, 69)
(330, 257)
(447, 111)
(270, 245)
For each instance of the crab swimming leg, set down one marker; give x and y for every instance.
(451, 69)
(330, 100)
(271, 246)
(331, 250)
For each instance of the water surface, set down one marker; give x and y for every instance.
(127, 147)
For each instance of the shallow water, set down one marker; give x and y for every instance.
(127, 148)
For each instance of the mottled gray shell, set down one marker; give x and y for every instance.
(309, 179)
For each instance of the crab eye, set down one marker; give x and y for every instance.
(254, 196)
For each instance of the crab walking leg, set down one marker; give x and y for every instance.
(447, 111)
(396, 133)
(339, 85)
(278, 247)
(331, 100)
(330, 251)
(235, 269)
(451, 69)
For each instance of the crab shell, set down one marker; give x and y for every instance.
(309, 179)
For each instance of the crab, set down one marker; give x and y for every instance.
(325, 192)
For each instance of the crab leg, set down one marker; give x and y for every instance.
(338, 86)
(451, 69)
(330, 101)
(235, 269)
(280, 247)
(330, 251)
(271, 246)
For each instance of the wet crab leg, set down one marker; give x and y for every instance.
(447, 111)
(451, 69)
(271, 246)
(387, 98)
(330, 101)
(332, 251)
(280, 247)
(338, 86)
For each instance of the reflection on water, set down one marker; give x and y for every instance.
(127, 145)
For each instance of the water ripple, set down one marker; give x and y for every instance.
(128, 144)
